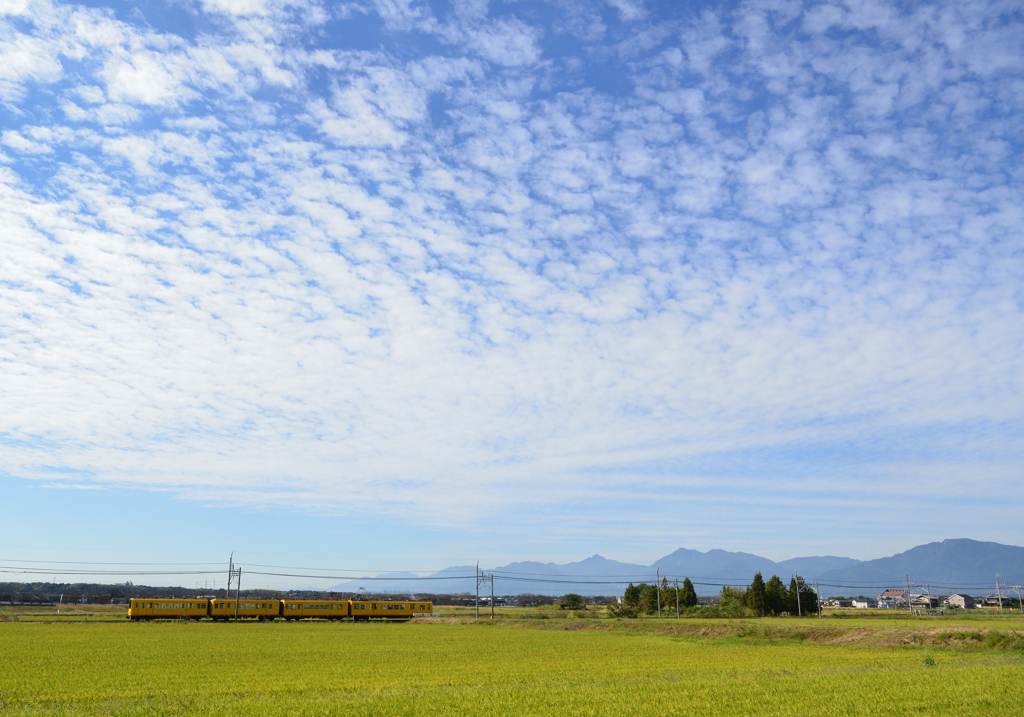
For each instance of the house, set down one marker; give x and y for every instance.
(865, 603)
(960, 600)
(924, 602)
(891, 599)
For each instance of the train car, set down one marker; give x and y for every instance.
(248, 608)
(389, 609)
(168, 608)
(316, 609)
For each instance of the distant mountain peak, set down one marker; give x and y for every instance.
(946, 564)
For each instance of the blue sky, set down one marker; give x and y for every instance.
(510, 280)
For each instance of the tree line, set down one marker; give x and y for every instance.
(644, 598)
(760, 598)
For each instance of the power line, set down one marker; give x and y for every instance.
(35, 567)
(363, 577)
(85, 562)
(18, 570)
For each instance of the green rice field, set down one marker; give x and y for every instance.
(458, 666)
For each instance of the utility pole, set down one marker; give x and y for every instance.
(906, 593)
(676, 581)
(1020, 603)
(999, 592)
(817, 594)
(658, 585)
(231, 572)
(238, 585)
(799, 612)
(492, 596)
(478, 588)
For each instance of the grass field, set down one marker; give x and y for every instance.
(566, 667)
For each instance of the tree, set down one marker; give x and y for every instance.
(775, 597)
(649, 598)
(756, 595)
(732, 596)
(572, 601)
(792, 604)
(632, 595)
(808, 598)
(687, 595)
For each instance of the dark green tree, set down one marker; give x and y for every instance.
(632, 595)
(808, 598)
(756, 595)
(572, 601)
(791, 602)
(687, 595)
(649, 598)
(776, 598)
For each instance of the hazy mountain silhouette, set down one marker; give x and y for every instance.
(962, 565)
(951, 563)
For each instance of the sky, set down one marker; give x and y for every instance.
(414, 284)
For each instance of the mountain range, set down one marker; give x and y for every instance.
(955, 565)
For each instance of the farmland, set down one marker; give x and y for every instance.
(512, 666)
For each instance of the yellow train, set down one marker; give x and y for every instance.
(262, 609)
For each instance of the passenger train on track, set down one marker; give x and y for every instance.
(261, 609)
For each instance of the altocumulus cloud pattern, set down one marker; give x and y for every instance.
(467, 258)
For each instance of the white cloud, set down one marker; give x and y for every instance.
(260, 261)
(142, 78)
(23, 60)
(19, 143)
(236, 7)
(505, 43)
(628, 9)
